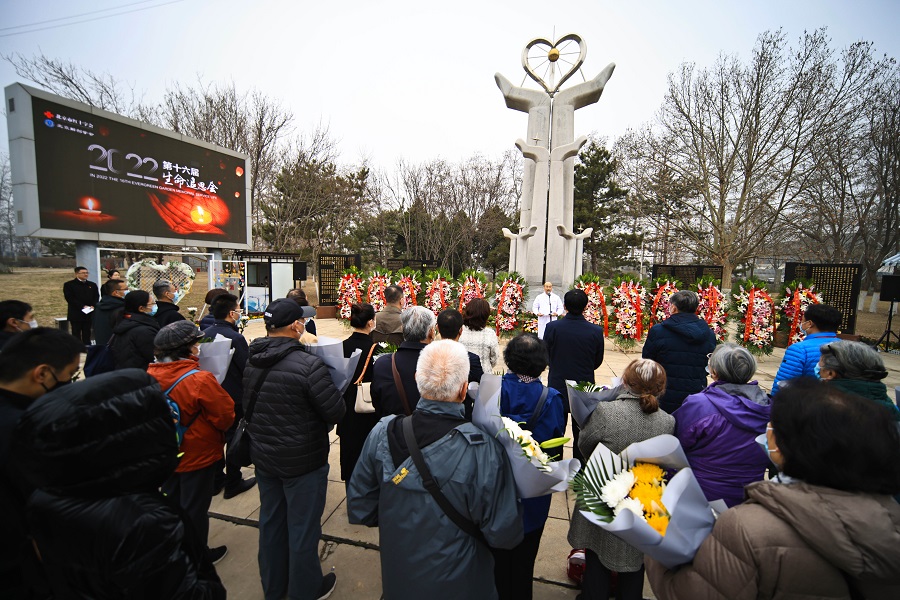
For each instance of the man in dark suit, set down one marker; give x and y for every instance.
(418, 331)
(81, 295)
(576, 351)
(167, 298)
(450, 326)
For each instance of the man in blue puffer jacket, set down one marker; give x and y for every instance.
(820, 322)
(681, 344)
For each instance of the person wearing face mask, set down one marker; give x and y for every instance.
(207, 410)
(31, 364)
(820, 324)
(825, 527)
(857, 369)
(15, 317)
(295, 406)
(167, 300)
(109, 310)
(227, 312)
(132, 344)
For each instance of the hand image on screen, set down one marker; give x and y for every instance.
(185, 214)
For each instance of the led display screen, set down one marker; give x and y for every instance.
(101, 175)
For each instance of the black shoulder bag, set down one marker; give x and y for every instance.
(432, 487)
(239, 448)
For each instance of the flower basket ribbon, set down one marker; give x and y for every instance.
(795, 321)
(748, 318)
(638, 313)
(605, 312)
(713, 297)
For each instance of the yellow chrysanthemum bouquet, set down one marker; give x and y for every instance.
(629, 496)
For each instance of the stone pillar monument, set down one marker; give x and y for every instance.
(546, 248)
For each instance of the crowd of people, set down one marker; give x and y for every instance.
(107, 483)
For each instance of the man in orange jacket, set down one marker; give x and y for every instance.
(207, 409)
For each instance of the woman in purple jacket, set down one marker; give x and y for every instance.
(718, 426)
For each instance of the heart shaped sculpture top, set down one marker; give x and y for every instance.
(553, 56)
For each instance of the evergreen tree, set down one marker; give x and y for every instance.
(600, 203)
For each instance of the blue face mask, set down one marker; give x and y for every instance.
(153, 310)
(177, 297)
(817, 371)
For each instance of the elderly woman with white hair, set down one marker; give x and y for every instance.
(394, 387)
(718, 426)
(856, 368)
(426, 552)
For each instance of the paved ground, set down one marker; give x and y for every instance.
(352, 551)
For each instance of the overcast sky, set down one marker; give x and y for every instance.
(415, 79)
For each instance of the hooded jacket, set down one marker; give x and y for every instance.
(680, 344)
(204, 404)
(97, 452)
(105, 314)
(423, 553)
(793, 541)
(296, 407)
(133, 344)
(717, 429)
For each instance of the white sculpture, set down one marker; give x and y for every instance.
(548, 181)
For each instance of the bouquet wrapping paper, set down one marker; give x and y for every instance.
(531, 482)
(691, 518)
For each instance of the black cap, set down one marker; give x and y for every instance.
(283, 312)
(176, 335)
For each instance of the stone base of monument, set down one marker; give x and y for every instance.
(326, 312)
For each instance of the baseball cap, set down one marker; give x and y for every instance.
(176, 335)
(283, 312)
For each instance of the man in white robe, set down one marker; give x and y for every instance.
(547, 307)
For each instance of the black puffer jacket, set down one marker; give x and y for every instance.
(296, 408)
(132, 346)
(680, 344)
(98, 451)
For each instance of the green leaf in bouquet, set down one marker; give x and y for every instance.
(585, 386)
(554, 443)
(588, 487)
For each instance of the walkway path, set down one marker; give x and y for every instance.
(352, 550)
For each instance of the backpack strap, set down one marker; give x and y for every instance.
(532, 422)
(431, 485)
(172, 387)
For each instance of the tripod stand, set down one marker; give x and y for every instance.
(886, 336)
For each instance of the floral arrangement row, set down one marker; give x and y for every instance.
(626, 309)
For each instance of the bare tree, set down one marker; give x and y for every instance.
(70, 81)
(248, 122)
(744, 134)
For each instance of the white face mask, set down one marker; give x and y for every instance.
(33, 323)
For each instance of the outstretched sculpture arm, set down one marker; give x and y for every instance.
(584, 93)
(519, 98)
(564, 232)
(524, 235)
(561, 153)
(536, 153)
